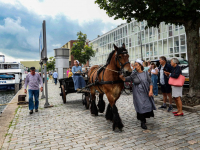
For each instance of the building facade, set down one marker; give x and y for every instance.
(69, 45)
(30, 64)
(168, 40)
(61, 61)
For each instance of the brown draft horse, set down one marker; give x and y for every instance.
(106, 81)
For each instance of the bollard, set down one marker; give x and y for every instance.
(22, 100)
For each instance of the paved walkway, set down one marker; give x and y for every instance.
(70, 126)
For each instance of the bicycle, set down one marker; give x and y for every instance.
(127, 88)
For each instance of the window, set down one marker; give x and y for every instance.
(147, 50)
(183, 55)
(176, 44)
(142, 32)
(160, 49)
(142, 25)
(143, 51)
(151, 49)
(139, 38)
(155, 49)
(133, 53)
(126, 42)
(165, 47)
(125, 30)
(146, 36)
(181, 29)
(129, 41)
(170, 30)
(170, 45)
(182, 42)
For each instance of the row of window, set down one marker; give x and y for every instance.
(147, 35)
(100, 60)
(172, 43)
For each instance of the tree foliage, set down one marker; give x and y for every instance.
(51, 64)
(80, 50)
(154, 11)
(178, 12)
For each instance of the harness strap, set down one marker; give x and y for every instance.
(110, 82)
(105, 82)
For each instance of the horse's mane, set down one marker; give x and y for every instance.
(110, 57)
(119, 51)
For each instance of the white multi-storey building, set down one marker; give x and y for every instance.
(167, 40)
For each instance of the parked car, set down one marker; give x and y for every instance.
(185, 72)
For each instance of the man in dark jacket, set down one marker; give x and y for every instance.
(163, 81)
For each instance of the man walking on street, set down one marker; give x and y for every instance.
(33, 80)
(163, 80)
(55, 76)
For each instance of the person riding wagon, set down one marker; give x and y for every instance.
(79, 82)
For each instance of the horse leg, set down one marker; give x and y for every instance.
(101, 103)
(93, 107)
(109, 113)
(117, 122)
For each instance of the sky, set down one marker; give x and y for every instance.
(21, 23)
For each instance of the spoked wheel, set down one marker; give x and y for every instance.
(63, 94)
(87, 100)
(127, 88)
(127, 91)
(83, 98)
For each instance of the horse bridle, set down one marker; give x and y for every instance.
(122, 65)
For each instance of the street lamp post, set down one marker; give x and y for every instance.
(140, 39)
(41, 63)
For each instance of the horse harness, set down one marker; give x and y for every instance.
(103, 68)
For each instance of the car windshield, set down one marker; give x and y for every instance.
(183, 62)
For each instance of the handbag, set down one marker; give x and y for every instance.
(177, 81)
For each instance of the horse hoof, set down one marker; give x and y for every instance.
(117, 129)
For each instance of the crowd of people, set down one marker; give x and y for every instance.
(145, 78)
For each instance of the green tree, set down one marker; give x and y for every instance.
(80, 50)
(51, 64)
(178, 12)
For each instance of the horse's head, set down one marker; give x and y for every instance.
(122, 60)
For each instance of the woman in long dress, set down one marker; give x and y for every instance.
(142, 93)
(79, 82)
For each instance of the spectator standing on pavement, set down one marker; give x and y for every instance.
(154, 78)
(55, 76)
(176, 91)
(67, 72)
(142, 93)
(70, 73)
(163, 81)
(145, 65)
(149, 64)
(43, 76)
(132, 65)
(33, 80)
(47, 77)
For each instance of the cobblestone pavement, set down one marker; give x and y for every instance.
(70, 126)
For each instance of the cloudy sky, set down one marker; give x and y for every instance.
(21, 22)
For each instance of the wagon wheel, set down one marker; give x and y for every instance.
(83, 99)
(127, 91)
(87, 101)
(63, 94)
